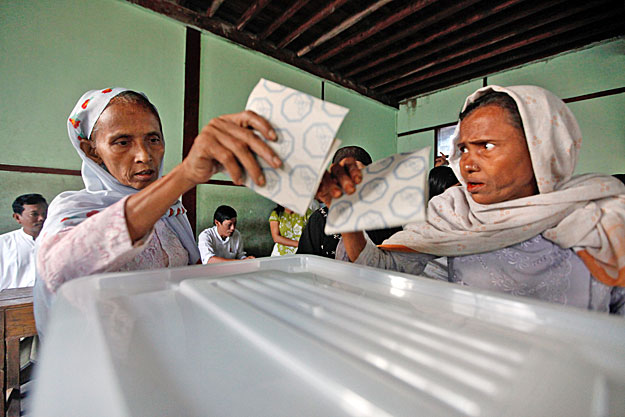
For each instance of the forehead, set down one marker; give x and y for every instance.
(487, 120)
(127, 116)
(35, 207)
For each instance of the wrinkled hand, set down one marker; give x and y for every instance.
(228, 142)
(341, 178)
(441, 160)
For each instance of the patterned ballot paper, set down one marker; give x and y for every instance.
(392, 193)
(306, 129)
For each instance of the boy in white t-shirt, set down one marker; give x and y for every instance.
(222, 242)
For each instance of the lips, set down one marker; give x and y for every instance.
(145, 174)
(473, 187)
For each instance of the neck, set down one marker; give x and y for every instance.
(34, 236)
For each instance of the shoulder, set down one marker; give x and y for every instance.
(9, 236)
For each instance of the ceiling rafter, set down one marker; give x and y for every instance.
(478, 31)
(346, 24)
(320, 15)
(446, 30)
(551, 48)
(214, 7)
(283, 18)
(388, 50)
(251, 11)
(515, 44)
(458, 7)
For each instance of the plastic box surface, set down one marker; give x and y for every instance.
(308, 336)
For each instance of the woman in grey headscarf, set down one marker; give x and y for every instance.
(521, 223)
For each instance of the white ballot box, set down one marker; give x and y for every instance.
(308, 336)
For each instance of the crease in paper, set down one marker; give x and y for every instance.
(392, 193)
(306, 128)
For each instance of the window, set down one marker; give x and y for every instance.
(443, 140)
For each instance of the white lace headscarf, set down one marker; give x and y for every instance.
(585, 212)
(102, 189)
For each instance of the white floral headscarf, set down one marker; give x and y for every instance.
(585, 212)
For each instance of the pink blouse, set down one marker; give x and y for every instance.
(102, 244)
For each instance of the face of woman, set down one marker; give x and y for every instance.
(495, 161)
(129, 141)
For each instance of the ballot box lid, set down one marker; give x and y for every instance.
(308, 336)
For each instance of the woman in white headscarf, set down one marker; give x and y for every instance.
(129, 216)
(521, 223)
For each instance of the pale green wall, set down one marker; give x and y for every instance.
(51, 52)
(228, 75)
(597, 68)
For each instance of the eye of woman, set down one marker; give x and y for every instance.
(462, 148)
(489, 145)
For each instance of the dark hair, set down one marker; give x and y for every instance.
(439, 179)
(132, 97)
(620, 177)
(278, 209)
(224, 213)
(18, 204)
(498, 99)
(355, 152)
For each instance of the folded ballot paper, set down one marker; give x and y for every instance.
(306, 129)
(392, 193)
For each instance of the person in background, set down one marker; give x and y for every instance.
(17, 248)
(286, 229)
(521, 223)
(129, 216)
(314, 241)
(440, 178)
(222, 242)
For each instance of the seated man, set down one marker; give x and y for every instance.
(17, 248)
(222, 242)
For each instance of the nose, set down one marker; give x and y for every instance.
(468, 162)
(142, 152)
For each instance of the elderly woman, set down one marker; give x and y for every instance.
(129, 217)
(520, 223)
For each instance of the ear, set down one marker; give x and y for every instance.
(17, 218)
(88, 147)
(216, 222)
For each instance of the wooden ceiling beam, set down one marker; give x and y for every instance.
(251, 12)
(566, 44)
(319, 16)
(228, 31)
(447, 30)
(343, 26)
(444, 13)
(283, 18)
(214, 7)
(481, 31)
(413, 7)
(524, 41)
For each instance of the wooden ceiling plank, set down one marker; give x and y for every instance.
(228, 31)
(390, 20)
(343, 26)
(320, 15)
(534, 55)
(283, 18)
(455, 27)
(251, 12)
(573, 26)
(214, 7)
(370, 50)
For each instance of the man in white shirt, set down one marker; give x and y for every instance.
(17, 248)
(222, 242)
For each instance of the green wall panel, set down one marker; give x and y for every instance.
(434, 109)
(368, 124)
(253, 212)
(603, 134)
(53, 51)
(417, 141)
(18, 183)
(601, 67)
